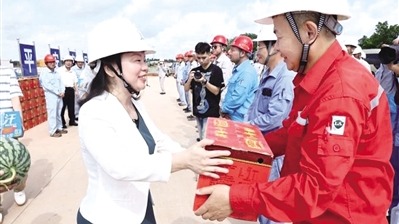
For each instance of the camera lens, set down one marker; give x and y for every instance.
(197, 75)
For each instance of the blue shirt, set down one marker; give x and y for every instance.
(51, 82)
(240, 91)
(386, 79)
(273, 99)
(186, 71)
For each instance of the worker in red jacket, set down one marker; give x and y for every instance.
(337, 140)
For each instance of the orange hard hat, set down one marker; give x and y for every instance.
(179, 56)
(244, 43)
(49, 58)
(219, 39)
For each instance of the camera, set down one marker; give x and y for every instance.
(389, 54)
(197, 75)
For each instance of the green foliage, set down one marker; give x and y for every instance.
(384, 34)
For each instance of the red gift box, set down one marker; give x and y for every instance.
(31, 83)
(251, 154)
(35, 82)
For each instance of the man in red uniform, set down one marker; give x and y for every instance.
(337, 140)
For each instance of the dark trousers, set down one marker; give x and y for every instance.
(68, 101)
(81, 220)
(148, 219)
(149, 214)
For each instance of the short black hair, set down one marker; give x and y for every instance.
(202, 48)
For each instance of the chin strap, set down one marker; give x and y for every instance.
(305, 46)
(129, 87)
(135, 94)
(269, 55)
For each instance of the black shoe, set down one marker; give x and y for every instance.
(62, 131)
(162, 93)
(191, 118)
(178, 100)
(64, 126)
(198, 139)
(73, 124)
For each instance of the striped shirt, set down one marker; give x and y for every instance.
(9, 88)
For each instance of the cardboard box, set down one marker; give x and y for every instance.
(251, 154)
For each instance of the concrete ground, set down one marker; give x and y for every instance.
(57, 177)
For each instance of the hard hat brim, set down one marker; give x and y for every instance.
(268, 19)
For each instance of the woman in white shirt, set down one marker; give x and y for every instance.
(122, 149)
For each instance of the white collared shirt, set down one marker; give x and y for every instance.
(69, 78)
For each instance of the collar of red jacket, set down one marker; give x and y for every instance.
(311, 81)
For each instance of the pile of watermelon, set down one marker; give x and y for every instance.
(14, 161)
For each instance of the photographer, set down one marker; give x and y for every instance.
(205, 82)
(387, 76)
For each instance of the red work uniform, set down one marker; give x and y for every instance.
(337, 151)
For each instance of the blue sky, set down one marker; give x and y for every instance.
(171, 26)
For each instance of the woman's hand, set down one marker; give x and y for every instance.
(201, 161)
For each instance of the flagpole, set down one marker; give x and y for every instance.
(20, 58)
(34, 53)
(59, 56)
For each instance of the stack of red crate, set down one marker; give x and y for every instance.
(33, 102)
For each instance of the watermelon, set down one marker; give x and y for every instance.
(14, 161)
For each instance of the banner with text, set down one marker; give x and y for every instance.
(28, 59)
(56, 53)
(73, 54)
(85, 58)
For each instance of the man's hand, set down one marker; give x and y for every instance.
(225, 116)
(217, 207)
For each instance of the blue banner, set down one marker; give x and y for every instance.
(57, 54)
(85, 58)
(28, 59)
(73, 54)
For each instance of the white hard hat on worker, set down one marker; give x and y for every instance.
(266, 34)
(265, 42)
(116, 36)
(79, 58)
(118, 48)
(338, 7)
(324, 15)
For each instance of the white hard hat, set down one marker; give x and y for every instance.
(350, 42)
(116, 36)
(337, 7)
(359, 50)
(79, 58)
(68, 57)
(266, 33)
